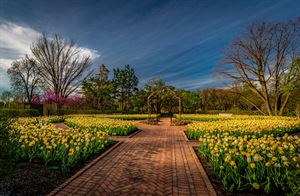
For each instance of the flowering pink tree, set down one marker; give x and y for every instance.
(75, 101)
(51, 97)
(36, 99)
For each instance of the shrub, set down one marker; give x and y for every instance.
(70, 111)
(5, 123)
(19, 112)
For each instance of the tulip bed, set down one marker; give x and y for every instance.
(222, 117)
(269, 164)
(250, 153)
(41, 119)
(45, 143)
(238, 127)
(99, 124)
(129, 116)
(120, 116)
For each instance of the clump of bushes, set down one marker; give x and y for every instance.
(19, 112)
(70, 111)
(5, 123)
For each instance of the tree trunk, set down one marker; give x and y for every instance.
(267, 99)
(284, 104)
(297, 110)
(277, 104)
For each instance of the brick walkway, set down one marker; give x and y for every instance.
(156, 161)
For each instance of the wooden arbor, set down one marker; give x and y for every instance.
(163, 87)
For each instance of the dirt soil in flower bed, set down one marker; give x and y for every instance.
(217, 184)
(23, 178)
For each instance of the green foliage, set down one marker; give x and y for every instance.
(5, 98)
(292, 76)
(125, 82)
(218, 99)
(5, 123)
(71, 111)
(99, 90)
(139, 102)
(190, 101)
(154, 84)
(163, 101)
(19, 112)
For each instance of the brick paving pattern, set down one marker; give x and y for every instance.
(156, 161)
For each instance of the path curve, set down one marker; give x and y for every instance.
(156, 161)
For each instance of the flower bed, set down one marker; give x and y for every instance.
(221, 117)
(99, 124)
(119, 116)
(47, 144)
(269, 164)
(237, 127)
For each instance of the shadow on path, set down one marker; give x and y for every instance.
(156, 161)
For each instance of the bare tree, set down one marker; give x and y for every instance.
(24, 77)
(261, 58)
(61, 64)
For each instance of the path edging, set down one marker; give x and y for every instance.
(203, 172)
(60, 187)
(125, 137)
(187, 139)
(205, 178)
(190, 142)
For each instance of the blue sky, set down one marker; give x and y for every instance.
(180, 41)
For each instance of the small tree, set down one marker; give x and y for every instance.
(24, 77)
(99, 89)
(190, 101)
(125, 82)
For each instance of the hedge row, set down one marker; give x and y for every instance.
(69, 111)
(19, 112)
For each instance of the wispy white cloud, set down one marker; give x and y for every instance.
(4, 82)
(89, 52)
(5, 63)
(16, 38)
(15, 42)
(205, 81)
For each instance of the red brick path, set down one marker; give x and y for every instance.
(156, 161)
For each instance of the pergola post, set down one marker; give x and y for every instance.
(180, 108)
(149, 109)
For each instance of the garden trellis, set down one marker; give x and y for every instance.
(160, 89)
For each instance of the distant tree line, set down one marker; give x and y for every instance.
(262, 65)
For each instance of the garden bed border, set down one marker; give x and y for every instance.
(201, 169)
(193, 142)
(57, 189)
(125, 136)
